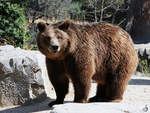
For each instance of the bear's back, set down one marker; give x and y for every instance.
(110, 45)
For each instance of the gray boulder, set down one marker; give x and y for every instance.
(20, 77)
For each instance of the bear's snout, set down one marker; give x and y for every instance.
(54, 44)
(55, 48)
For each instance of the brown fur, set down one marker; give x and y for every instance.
(98, 51)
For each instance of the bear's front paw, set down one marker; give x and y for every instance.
(54, 103)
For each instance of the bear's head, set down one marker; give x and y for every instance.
(53, 40)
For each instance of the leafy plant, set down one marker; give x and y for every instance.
(13, 22)
(76, 12)
(143, 66)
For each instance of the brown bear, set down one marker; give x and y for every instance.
(84, 52)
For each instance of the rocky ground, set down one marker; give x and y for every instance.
(136, 97)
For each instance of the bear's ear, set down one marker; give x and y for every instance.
(41, 26)
(65, 25)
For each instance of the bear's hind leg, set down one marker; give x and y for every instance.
(115, 87)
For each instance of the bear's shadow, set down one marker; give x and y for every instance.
(40, 107)
(139, 82)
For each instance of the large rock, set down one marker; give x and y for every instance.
(101, 108)
(20, 77)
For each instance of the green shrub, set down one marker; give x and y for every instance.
(76, 12)
(13, 22)
(143, 66)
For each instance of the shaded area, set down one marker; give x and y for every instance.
(139, 82)
(42, 97)
(39, 107)
(28, 109)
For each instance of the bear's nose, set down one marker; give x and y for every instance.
(55, 48)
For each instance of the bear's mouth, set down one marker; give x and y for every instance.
(53, 50)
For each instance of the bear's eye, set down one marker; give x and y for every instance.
(59, 37)
(46, 39)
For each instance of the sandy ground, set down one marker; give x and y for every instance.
(138, 91)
